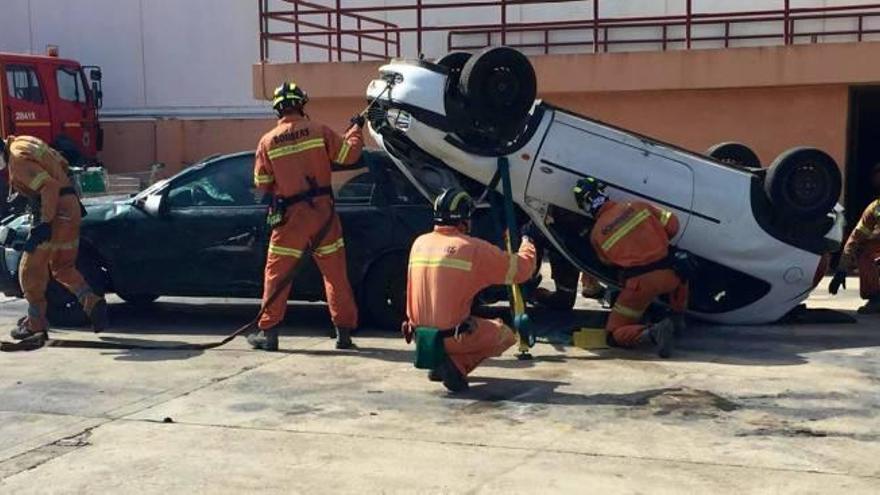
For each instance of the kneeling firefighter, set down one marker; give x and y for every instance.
(447, 269)
(293, 164)
(41, 174)
(634, 236)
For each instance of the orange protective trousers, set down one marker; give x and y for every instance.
(869, 275)
(624, 323)
(286, 246)
(490, 339)
(58, 259)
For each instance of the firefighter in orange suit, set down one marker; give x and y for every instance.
(39, 173)
(862, 250)
(293, 164)
(634, 236)
(447, 268)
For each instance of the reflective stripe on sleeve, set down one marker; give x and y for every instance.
(625, 229)
(39, 180)
(627, 312)
(262, 179)
(330, 248)
(512, 268)
(292, 149)
(65, 245)
(454, 263)
(343, 153)
(665, 215)
(285, 251)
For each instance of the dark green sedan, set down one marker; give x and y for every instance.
(202, 233)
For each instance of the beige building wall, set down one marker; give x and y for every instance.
(771, 98)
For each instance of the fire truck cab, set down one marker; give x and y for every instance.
(54, 99)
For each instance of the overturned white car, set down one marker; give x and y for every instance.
(761, 235)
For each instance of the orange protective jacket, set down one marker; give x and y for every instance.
(298, 149)
(868, 229)
(448, 268)
(37, 170)
(631, 234)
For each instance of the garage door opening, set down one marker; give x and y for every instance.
(864, 150)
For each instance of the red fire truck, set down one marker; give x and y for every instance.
(54, 99)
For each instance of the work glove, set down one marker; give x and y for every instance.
(838, 281)
(38, 234)
(684, 264)
(358, 120)
(580, 193)
(533, 233)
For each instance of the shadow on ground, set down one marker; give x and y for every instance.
(766, 345)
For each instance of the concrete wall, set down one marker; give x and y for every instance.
(771, 98)
(160, 57)
(178, 84)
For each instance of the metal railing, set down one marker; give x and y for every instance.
(341, 30)
(310, 21)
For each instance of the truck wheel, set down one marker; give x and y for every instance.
(63, 308)
(803, 183)
(736, 154)
(385, 292)
(499, 88)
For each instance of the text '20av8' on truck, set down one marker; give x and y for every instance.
(54, 99)
(761, 236)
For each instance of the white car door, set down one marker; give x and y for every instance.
(634, 168)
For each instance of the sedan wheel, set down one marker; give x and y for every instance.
(385, 293)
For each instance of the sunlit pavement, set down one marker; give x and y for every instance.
(786, 409)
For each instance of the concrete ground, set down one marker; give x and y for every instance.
(771, 409)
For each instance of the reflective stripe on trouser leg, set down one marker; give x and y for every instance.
(330, 258)
(634, 299)
(869, 275)
(34, 278)
(277, 268)
(490, 338)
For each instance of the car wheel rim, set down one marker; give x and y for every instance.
(808, 185)
(503, 87)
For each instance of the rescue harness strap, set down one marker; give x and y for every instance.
(517, 302)
(41, 339)
(307, 195)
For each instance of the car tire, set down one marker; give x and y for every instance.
(499, 88)
(454, 61)
(63, 309)
(803, 183)
(384, 292)
(734, 154)
(139, 299)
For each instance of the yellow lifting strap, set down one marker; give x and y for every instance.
(517, 302)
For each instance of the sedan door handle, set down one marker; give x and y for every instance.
(243, 238)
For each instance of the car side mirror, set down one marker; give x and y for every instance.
(98, 94)
(155, 205)
(95, 74)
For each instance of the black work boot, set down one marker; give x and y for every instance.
(343, 338)
(679, 322)
(661, 335)
(99, 317)
(871, 307)
(265, 340)
(434, 375)
(22, 332)
(452, 379)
